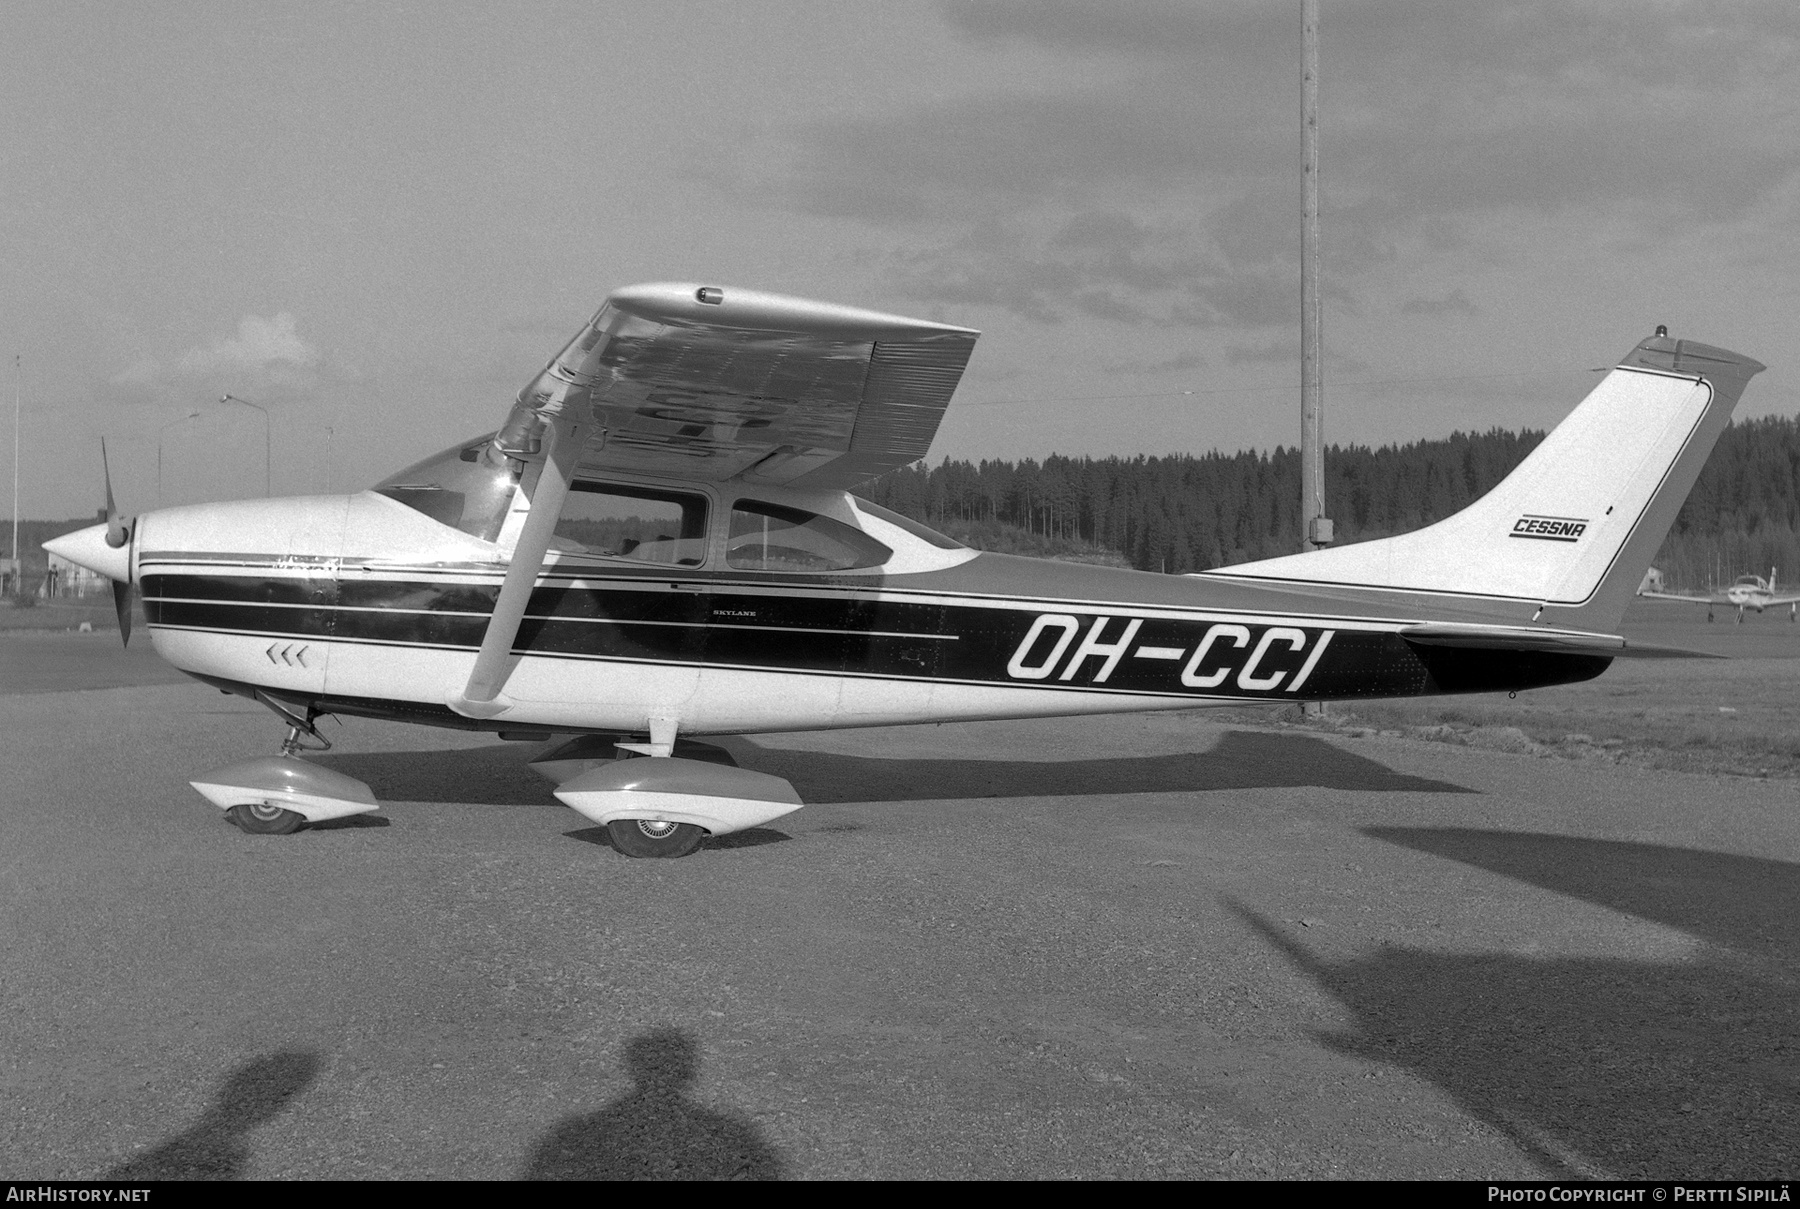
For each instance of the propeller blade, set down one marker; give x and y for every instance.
(122, 606)
(117, 531)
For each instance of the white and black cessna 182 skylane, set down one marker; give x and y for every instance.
(661, 542)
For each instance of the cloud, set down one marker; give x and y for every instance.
(1284, 352)
(1454, 303)
(1268, 353)
(1430, 108)
(1143, 171)
(930, 163)
(142, 372)
(261, 346)
(1174, 364)
(264, 354)
(1103, 265)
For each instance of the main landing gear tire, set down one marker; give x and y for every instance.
(261, 818)
(647, 837)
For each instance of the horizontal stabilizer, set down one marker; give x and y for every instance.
(1531, 638)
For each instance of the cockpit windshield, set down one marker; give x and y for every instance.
(468, 487)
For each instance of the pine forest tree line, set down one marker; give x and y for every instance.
(1193, 513)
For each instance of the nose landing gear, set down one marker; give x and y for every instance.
(277, 795)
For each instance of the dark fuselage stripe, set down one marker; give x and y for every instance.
(485, 581)
(714, 624)
(843, 635)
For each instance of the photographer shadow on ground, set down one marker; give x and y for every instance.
(216, 1147)
(654, 1131)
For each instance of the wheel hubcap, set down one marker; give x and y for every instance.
(657, 830)
(264, 812)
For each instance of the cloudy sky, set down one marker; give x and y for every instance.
(378, 220)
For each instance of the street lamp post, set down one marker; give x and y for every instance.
(192, 415)
(265, 416)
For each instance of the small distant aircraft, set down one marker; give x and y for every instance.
(1746, 592)
(660, 542)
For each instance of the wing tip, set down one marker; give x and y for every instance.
(684, 303)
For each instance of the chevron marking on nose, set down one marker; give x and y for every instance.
(287, 655)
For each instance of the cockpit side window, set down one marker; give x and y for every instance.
(770, 537)
(468, 487)
(641, 523)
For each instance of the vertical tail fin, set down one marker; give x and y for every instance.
(1572, 528)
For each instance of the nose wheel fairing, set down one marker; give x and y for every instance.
(289, 783)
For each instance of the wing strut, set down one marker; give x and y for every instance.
(481, 697)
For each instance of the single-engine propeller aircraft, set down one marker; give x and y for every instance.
(660, 543)
(1746, 592)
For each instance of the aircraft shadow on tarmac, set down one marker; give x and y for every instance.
(656, 1131)
(498, 774)
(216, 1147)
(495, 775)
(1598, 1065)
(1746, 903)
(1241, 759)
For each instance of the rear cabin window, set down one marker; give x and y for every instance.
(769, 537)
(640, 523)
(923, 532)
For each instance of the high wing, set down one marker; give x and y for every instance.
(709, 382)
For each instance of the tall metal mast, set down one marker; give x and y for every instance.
(1315, 529)
(18, 392)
